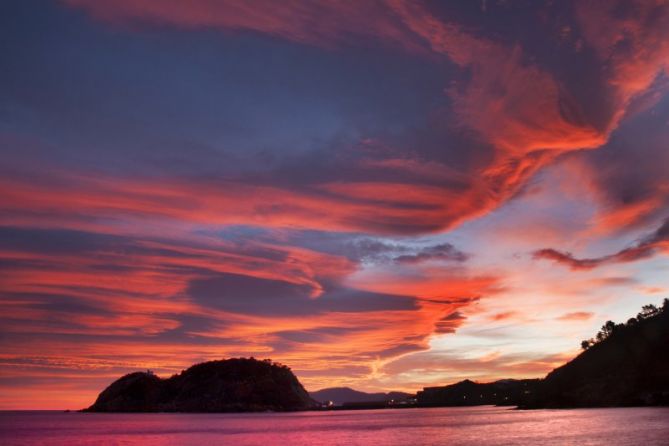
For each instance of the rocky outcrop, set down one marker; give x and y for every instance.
(233, 385)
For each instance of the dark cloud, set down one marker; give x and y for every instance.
(631, 197)
(253, 295)
(360, 248)
(442, 252)
(646, 247)
(58, 241)
(479, 119)
(450, 322)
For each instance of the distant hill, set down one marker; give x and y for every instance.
(232, 385)
(470, 393)
(341, 395)
(628, 365)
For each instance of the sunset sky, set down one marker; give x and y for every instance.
(381, 194)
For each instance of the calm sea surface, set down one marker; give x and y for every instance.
(442, 426)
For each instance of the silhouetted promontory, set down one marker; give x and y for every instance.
(625, 365)
(232, 385)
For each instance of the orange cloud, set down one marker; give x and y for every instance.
(429, 283)
(449, 367)
(375, 207)
(503, 316)
(313, 345)
(576, 316)
(129, 303)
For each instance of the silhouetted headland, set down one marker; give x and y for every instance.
(232, 385)
(625, 365)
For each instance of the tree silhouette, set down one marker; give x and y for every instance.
(648, 311)
(610, 327)
(607, 330)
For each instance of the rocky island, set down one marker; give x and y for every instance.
(232, 385)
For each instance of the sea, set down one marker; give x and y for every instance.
(467, 426)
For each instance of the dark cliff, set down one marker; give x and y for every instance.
(627, 366)
(232, 385)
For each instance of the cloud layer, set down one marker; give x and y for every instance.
(351, 189)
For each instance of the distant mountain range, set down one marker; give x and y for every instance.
(342, 395)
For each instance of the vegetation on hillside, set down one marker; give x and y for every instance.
(610, 327)
(625, 365)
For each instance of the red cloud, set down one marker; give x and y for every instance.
(632, 38)
(645, 248)
(104, 339)
(372, 207)
(520, 109)
(118, 302)
(503, 316)
(300, 21)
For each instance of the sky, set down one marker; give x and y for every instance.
(381, 194)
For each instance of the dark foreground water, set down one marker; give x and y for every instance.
(442, 426)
